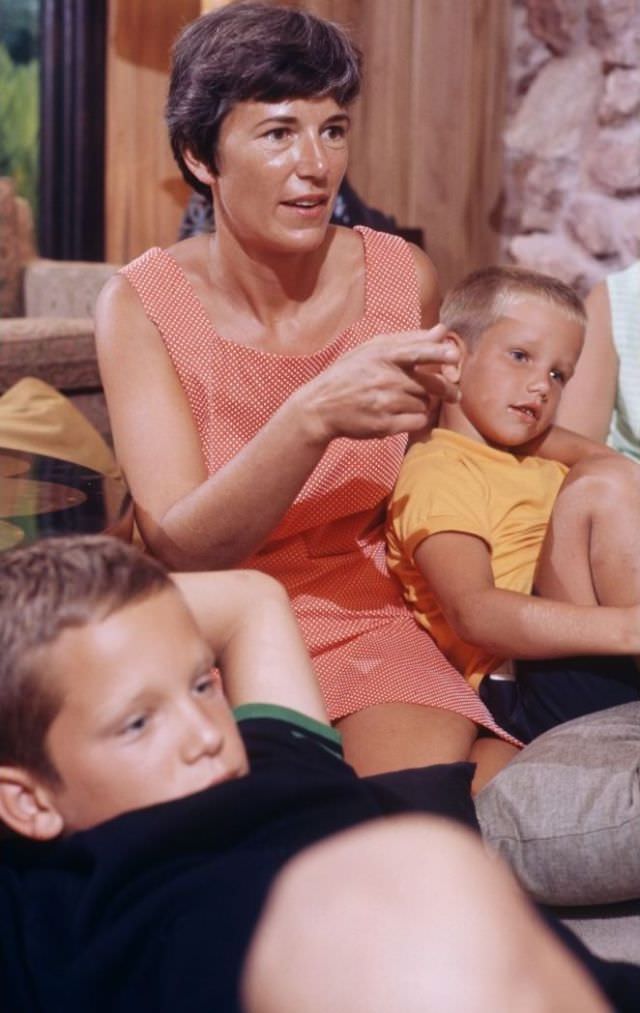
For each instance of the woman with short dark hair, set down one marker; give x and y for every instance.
(262, 380)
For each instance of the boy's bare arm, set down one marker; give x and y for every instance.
(513, 625)
(562, 445)
(247, 619)
(588, 401)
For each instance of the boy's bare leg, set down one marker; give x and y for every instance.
(406, 915)
(394, 736)
(591, 554)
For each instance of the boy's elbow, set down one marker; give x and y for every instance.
(463, 618)
(261, 594)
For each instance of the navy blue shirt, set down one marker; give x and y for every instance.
(154, 910)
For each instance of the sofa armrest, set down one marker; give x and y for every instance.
(60, 351)
(63, 288)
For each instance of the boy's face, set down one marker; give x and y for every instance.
(512, 379)
(143, 718)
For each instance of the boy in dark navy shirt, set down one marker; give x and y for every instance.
(146, 826)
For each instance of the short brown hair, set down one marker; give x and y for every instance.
(251, 51)
(46, 588)
(479, 300)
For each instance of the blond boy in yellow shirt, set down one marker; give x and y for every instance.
(484, 513)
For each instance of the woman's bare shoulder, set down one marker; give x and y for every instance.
(429, 285)
(120, 318)
(117, 296)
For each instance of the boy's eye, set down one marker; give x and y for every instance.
(557, 375)
(519, 355)
(135, 724)
(207, 684)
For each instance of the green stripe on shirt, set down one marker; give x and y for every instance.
(293, 717)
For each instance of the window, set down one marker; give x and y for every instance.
(19, 95)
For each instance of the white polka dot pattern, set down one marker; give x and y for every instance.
(329, 549)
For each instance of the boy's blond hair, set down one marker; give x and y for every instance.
(481, 298)
(46, 588)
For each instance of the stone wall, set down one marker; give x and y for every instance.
(571, 202)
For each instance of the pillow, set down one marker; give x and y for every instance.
(565, 814)
(37, 418)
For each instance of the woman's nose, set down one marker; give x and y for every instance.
(312, 158)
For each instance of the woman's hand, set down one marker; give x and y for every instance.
(383, 387)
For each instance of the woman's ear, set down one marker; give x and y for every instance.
(201, 171)
(26, 806)
(452, 370)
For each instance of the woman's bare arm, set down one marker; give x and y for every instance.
(194, 521)
(429, 287)
(247, 620)
(588, 401)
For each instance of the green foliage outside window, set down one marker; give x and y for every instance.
(19, 103)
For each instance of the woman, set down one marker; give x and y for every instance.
(259, 404)
(603, 399)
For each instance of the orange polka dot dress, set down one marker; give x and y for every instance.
(329, 548)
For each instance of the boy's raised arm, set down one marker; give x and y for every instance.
(563, 445)
(246, 618)
(510, 624)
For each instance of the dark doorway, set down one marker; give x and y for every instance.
(72, 128)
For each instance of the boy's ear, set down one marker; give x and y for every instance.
(452, 370)
(198, 168)
(26, 806)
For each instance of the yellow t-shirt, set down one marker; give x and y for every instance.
(452, 483)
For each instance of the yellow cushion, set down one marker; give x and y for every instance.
(35, 417)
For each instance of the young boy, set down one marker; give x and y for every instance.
(148, 828)
(482, 508)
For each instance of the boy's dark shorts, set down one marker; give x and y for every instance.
(550, 691)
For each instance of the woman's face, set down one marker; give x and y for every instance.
(280, 165)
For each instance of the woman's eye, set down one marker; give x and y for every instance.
(335, 133)
(278, 134)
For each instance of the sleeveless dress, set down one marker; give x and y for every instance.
(329, 549)
(624, 298)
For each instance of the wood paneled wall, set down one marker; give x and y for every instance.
(145, 194)
(426, 140)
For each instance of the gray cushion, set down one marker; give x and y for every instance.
(565, 814)
(611, 931)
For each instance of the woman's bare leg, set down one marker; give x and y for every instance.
(394, 736)
(591, 554)
(404, 915)
(490, 755)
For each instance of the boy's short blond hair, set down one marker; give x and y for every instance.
(46, 588)
(481, 298)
